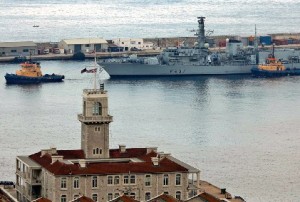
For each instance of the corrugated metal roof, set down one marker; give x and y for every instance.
(85, 41)
(16, 44)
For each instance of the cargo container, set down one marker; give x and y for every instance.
(265, 40)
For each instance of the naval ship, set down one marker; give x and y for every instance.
(183, 61)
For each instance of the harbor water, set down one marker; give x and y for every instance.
(241, 132)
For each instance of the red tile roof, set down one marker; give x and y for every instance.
(42, 200)
(146, 166)
(124, 198)
(83, 199)
(205, 197)
(164, 197)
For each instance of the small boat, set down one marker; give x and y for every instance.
(30, 73)
(274, 68)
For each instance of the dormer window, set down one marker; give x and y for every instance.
(97, 109)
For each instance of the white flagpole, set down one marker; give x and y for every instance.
(95, 71)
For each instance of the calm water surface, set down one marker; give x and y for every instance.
(241, 132)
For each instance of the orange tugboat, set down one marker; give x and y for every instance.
(30, 73)
(274, 68)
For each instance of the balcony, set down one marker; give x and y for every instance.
(95, 119)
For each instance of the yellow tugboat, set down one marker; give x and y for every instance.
(273, 68)
(31, 73)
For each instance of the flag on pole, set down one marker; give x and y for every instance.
(89, 70)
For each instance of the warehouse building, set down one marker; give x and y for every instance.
(23, 48)
(84, 45)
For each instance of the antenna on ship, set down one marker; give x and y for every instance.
(256, 47)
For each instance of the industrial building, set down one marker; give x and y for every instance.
(22, 48)
(84, 45)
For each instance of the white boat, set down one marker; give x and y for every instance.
(180, 61)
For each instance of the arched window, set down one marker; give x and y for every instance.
(178, 195)
(63, 198)
(95, 197)
(166, 180)
(97, 151)
(94, 181)
(178, 179)
(97, 109)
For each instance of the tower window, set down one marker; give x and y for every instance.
(97, 128)
(97, 109)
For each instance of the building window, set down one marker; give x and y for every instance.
(87, 45)
(63, 198)
(25, 50)
(178, 195)
(63, 183)
(109, 196)
(166, 180)
(76, 182)
(126, 179)
(117, 180)
(109, 179)
(147, 196)
(97, 109)
(97, 128)
(178, 179)
(132, 179)
(132, 195)
(95, 197)
(147, 180)
(94, 181)
(76, 196)
(165, 192)
(13, 51)
(117, 195)
(139, 42)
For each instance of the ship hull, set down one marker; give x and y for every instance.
(269, 74)
(16, 79)
(135, 69)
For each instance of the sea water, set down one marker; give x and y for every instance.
(63, 19)
(241, 132)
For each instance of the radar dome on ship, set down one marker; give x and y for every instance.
(206, 45)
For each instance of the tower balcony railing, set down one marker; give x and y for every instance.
(95, 118)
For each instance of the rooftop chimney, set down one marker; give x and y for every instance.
(151, 149)
(51, 151)
(122, 148)
(56, 158)
(162, 155)
(155, 161)
(82, 163)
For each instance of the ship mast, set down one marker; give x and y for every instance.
(256, 47)
(201, 32)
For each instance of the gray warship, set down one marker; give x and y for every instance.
(183, 61)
